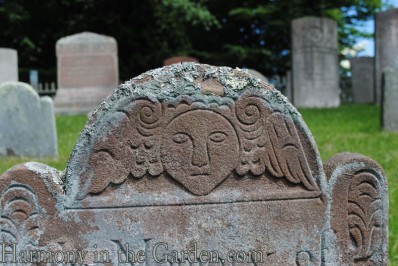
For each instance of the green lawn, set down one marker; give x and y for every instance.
(353, 128)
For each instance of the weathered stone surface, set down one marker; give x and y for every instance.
(179, 59)
(8, 65)
(362, 77)
(87, 71)
(162, 168)
(390, 98)
(386, 45)
(315, 62)
(27, 122)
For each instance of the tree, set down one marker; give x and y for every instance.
(257, 33)
(253, 33)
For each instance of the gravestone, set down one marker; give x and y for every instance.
(179, 59)
(386, 45)
(34, 78)
(257, 74)
(315, 62)
(8, 65)
(362, 73)
(27, 122)
(390, 98)
(193, 164)
(87, 71)
(289, 89)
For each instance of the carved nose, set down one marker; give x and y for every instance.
(200, 156)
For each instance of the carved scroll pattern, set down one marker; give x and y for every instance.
(145, 139)
(131, 147)
(365, 212)
(20, 217)
(270, 141)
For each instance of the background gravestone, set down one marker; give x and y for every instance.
(362, 79)
(87, 71)
(193, 159)
(257, 74)
(315, 62)
(8, 65)
(289, 85)
(179, 59)
(386, 45)
(27, 122)
(390, 99)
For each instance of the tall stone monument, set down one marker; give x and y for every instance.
(386, 44)
(8, 65)
(87, 71)
(193, 164)
(362, 79)
(27, 122)
(315, 62)
(390, 98)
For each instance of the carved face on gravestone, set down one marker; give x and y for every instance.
(200, 149)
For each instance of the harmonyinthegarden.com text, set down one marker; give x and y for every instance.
(160, 253)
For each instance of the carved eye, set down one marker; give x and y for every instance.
(180, 138)
(218, 136)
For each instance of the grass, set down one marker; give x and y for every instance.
(356, 128)
(68, 128)
(353, 128)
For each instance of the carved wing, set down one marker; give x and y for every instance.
(131, 146)
(270, 142)
(284, 153)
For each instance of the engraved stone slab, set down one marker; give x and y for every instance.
(167, 172)
(390, 98)
(386, 45)
(8, 65)
(362, 70)
(315, 62)
(27, 122)
(87, 71)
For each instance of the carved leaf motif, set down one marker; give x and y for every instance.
(19, 216)
(364, 215)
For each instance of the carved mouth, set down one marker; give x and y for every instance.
(199, 174)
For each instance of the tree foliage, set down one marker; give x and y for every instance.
(254, 34)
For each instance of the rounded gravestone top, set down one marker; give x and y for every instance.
(173, 121)
(179, 59)
(86, 43)
(257, 74)
(86, 37)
